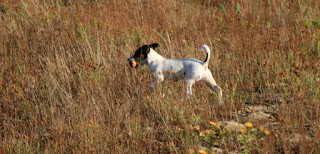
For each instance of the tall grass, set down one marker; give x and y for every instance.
(66, 85)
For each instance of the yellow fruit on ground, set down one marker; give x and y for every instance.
(266, 132)
(242, 130)
(213, 124)
(249, 125)
(203, 151)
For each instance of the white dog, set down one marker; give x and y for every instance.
(191, 70)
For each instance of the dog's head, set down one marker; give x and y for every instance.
(141, 55)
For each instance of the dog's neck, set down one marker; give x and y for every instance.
(153, 59)
(154, 56)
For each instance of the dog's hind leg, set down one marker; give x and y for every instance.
(162, 88)
(160, 79)
(213, 85)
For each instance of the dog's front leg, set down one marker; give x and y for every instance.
(151, 87)
(161, 82)
(154, 80)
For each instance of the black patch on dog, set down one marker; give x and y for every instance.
(142, 52)
(206, 58)
(154, 45)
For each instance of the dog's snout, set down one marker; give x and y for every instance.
(131, 59)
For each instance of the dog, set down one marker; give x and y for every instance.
(191, 70)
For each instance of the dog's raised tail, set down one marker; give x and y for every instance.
(205, 47)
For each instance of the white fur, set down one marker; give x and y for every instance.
(191, 70)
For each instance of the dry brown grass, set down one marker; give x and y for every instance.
(66, 85)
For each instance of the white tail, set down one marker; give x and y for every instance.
(205, 47)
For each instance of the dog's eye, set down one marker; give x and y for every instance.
(136, 55)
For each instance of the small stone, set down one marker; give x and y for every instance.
(231, 126)
(216, 150)
(260, 116)
(297, 138)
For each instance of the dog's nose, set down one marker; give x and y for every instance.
(131, 59)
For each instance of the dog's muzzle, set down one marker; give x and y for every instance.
(132, 62)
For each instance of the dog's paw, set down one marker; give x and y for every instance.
(185, 98)
(163, 95)
(151, 87)
(220, 103)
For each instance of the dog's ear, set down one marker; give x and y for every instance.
(154, 45)
(145, 49)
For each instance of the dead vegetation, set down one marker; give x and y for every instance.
(66, 85)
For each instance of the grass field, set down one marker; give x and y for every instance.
(66, 85)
